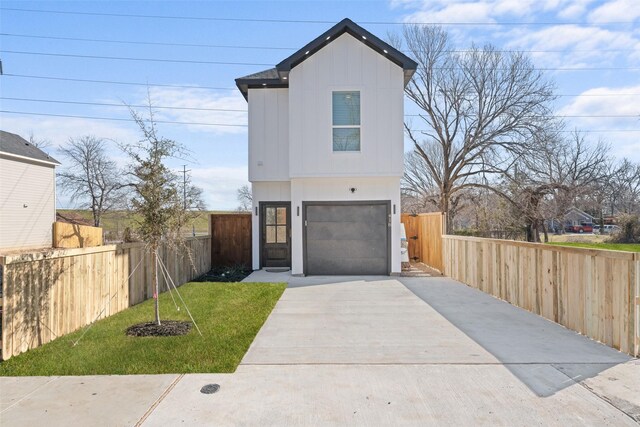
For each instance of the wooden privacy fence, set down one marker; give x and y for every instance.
(230, 239)
(593, 292)
(67, 235)
(424, 234)
(50, 294)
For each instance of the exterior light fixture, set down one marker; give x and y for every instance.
(285, 78)
(306, 53)
(328, 37)
(364, 38)
(385, 50)
(264, 84)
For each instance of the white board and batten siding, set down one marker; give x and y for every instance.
(346, 64)
(269, 135)
(27, 203)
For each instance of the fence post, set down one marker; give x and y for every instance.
(636, 324)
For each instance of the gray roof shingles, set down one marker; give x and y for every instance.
(11, 143)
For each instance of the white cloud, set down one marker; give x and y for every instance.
(455, 12)
(198, 106)
(582, 46)
(220, 185)
(616, 10)
(58, 130)
(608, 101)
(487, 10)
(575, 9)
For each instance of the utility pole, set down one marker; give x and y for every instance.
(184, 185)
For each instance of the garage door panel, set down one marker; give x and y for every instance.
(346, 238)
(348, 266)
(345, 231)
(343, 249)
(375, 214)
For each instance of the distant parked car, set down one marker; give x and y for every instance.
(610, 229)
(584, 227)
(596, 229)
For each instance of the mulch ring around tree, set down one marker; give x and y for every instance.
(167, 328)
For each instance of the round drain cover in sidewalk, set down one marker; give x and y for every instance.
(210, 389)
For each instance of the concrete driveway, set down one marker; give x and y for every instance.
(367, 351)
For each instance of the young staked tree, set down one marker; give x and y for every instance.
(478, 107)
(158, 200)
(90, 178)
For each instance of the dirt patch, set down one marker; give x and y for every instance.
(168, 328)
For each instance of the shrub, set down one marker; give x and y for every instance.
(629, 230)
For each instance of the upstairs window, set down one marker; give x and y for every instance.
(346, 121)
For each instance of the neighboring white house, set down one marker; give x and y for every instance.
(326, 155)
(27, 194)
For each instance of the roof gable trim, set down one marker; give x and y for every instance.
(356, 31)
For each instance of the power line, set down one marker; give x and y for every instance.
(128, 58)
(222, 46)
(581, 116)
(150, 43)
(189, 61)
(107, 104)
(25, 76)
(307, 21)
(119, 119)
(123, 105)
(564, 131)
(239, 125)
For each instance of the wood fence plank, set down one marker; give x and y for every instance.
(596, 293)
(47, 296)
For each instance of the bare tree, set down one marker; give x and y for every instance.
(157, 193)
(90, 178)
(40, 143)
(546, 179)
(245, 198)
(624, 188)
(477, 109)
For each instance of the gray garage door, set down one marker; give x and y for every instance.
(347, 238)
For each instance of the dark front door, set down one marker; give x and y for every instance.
(275, 234)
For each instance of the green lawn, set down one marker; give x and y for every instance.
(228, 314)
(628, 247)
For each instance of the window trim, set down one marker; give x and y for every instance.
(359, 127)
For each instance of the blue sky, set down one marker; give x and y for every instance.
(602, 37)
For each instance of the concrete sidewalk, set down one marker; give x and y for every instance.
(367, 351)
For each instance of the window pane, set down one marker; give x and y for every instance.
(346, 108)
(282, 216)
(271, 234)
(346, 139)
(282, 234)
(271, 216)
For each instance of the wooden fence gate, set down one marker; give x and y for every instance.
(230, 239)
(424, 234)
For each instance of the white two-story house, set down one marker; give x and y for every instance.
(326, 155)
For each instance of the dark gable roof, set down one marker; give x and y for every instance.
(278, 76)
(266, 78)
(11, 143)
